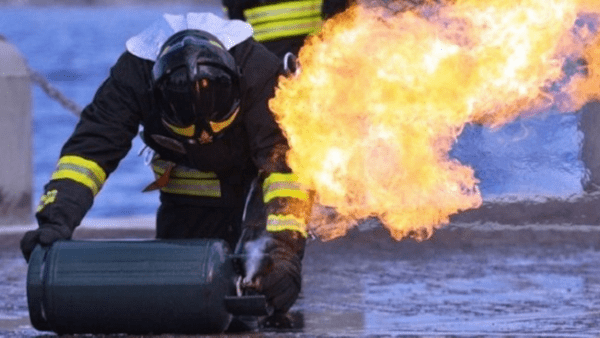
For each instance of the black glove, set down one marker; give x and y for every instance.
(281, 279)
(45, 235)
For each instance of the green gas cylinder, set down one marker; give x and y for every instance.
(137, 287)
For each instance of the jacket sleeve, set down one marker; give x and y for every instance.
(287, 202)
(101, 138)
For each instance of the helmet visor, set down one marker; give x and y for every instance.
(216, 93)
(176, 98)
(211, 95)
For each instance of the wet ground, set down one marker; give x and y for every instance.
(467, 280)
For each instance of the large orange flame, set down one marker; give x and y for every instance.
(382, 95)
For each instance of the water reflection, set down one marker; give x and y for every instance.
(501, 291)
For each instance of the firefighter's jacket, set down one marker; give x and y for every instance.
(332, 7)
(281, 25)
(204, 172)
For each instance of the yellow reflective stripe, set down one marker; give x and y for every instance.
(285, 19)
(188, 181)
(277, 223)
(77, 177)
(218, 126)
(80, 170)
(187, 131)
(279, 177)
(283, 190)
(159, 167)
(283, 11)
(277, 30)
(216, 44)
(206, 188)
(283, 185)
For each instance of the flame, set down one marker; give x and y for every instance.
(384, 91)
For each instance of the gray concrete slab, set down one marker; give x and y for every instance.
(467, 280)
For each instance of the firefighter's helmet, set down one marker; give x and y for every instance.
(197, 83)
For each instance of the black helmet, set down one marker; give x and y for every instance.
(196, 82)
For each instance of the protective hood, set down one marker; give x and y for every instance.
(146, 45)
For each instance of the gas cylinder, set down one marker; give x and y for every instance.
(137, 287)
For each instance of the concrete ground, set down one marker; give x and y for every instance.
(469, 279)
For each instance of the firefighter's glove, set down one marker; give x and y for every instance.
(278, 276)
(45, 235)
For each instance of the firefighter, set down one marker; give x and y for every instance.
(282, 26)
(198, 85)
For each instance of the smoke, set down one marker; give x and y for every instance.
(256, 258)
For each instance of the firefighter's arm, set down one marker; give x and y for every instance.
(61, 209)
(287, 203)
(101, 139)
(287, 207)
